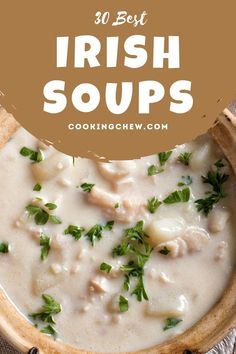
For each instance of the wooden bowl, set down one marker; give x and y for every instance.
(198, 339)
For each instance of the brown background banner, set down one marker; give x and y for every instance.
(28, 31)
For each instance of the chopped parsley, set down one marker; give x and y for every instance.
(45, 242)
(117, 205)
(153, 205)
(165, 251)
(41, 216)
(75, 231)
(154, 170)
(184, 158)
(87, 187)
(50, 206)
(164, 157)
(55, 219)
(36, 156)
(37, 187)
(95, 233)
(49, 309)
(216, 180)
(178, 196)
(4, 247)
(105, 267)
(49, 330)
(171, 322)
(185, 181)
(123, 304)
(134, 245)
(219, 164)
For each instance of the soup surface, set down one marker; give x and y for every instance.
(128, 254)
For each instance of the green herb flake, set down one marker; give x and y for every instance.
(178, 197)
(123, 304)
(95, 233)
(153, 205)
(75, 231)
(216, 180)
(49, 330)
(41, 217)
(51, 206)
(164, 251)
(45, 242)
(117, 205)
(154, 170)
(185, 181)
(4, 247)
(37, 187)
(51, 307)
(36, 156)
(171, 322)
(55, 219)
(164, 157)
(184, 158)
(219, 164)
(87, 187)
(105, 267)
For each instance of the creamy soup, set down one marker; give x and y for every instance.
(128, 254)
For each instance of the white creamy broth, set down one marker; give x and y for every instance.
(181, 285)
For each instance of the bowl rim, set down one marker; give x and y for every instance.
(198, 339)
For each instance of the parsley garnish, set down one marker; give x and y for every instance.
(117, 205)
(165, 251)
(41, 217)
(184, 158)
(135, 245)
(49, 330)
(87, 187)
(153, 205)
(171, 322)
(154, 170)
(55, 219)
(95, 233)
(75, 231)
(4, 247)
(123, 304)
(178, 196)
(105, 267)
(164, 157)
(185, 181)
(216, 179)
(37, 187)
(36, 156)
(50, 308)
(45, 242)
(50, 206)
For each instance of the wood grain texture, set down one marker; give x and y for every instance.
(198, 339)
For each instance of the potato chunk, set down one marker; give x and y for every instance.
(164, 230)
(167, 305)
(50, 167)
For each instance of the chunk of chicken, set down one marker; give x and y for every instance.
(126, 210)
(217, 220)
(98, 285)
(116, 170)
(193, 240)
